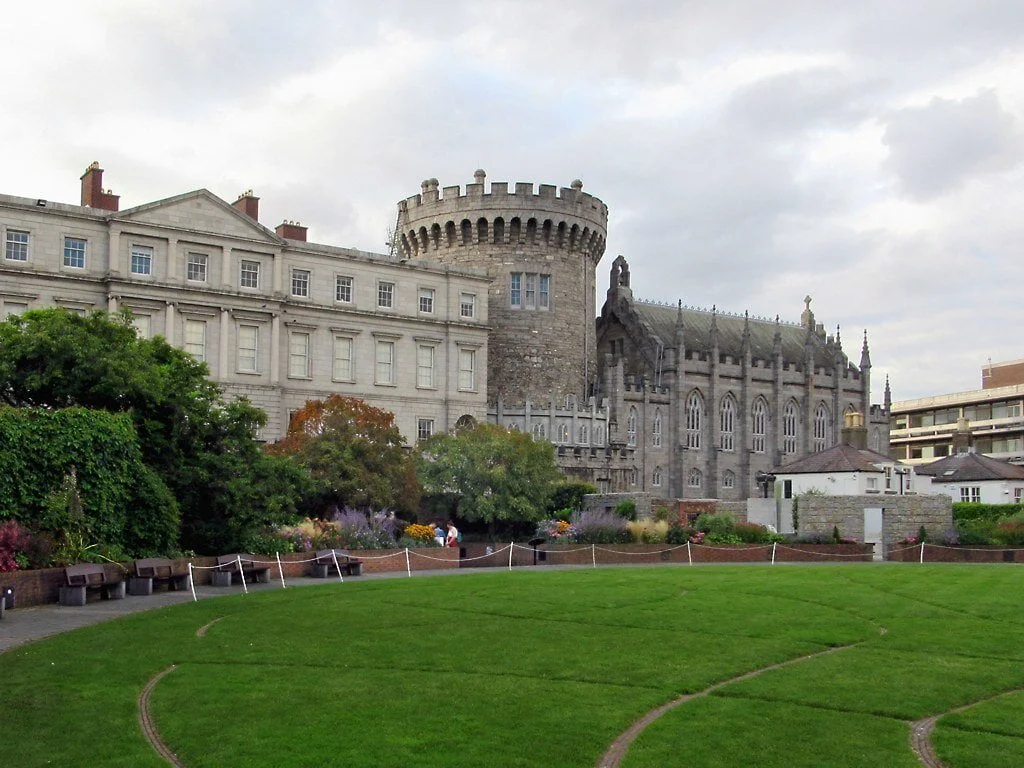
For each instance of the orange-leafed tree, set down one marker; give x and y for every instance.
(355, 454)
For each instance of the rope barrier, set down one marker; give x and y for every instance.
(824, 554)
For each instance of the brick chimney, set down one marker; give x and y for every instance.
(854, 433)
(248, 204)
(93, 195)
(291, 230)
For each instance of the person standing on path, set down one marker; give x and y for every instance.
(453, 535)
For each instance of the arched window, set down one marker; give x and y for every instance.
(727, 424)
(656, 429)
(728, 479)
(584, 435)
(694, 417)
(631, 427)
(563, 432)
(656, 477)
(820, 428)
(789, 424)
(512, 427)
(631, 476)
(876, 441)
(540, 431)
(599, 434)
(694, 478)
(758, 425)
(499, 231)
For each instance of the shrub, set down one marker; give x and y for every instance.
(596, 526)
(975, 530)
(1010, 531)
(648, 531)
(626, 509)
(13, 541)
(422, 535)
(965, 510)
(569, 496)
(556, 530)
(678, 534)
(752, 533)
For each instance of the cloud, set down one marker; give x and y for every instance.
(937, 148)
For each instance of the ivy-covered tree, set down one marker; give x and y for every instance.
(490, 474)
(355, 455)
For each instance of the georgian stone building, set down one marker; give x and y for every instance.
(276, 318)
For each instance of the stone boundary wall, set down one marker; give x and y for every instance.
(902, 516)
(974, 553)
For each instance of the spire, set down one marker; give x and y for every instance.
(839, 339)
(714, 326)
(777, 338)
(679, 325)
(865, 357)
(746, 331)
(888, 395)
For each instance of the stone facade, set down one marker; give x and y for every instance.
(902, 516)
(277, 319)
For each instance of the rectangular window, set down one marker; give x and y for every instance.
(467, 305)
(74, 252)
(298, 355)
(1018, 495)
(424, 428)
(195, 267)
(385, 363)
(343, 368)
(385, 295)
(544, 292)
(467, 369)
(300, 282)
(17, 246)
(970, 493)
(427, 301)
(12, 308)
(143, 325)
(248, 348)
(343, 289)
(425, 365)
(249, 276)
(195, 339)
(515, 290)
(530, 292)
(142, 260)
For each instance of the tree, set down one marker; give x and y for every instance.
(490, 474)
(355, 455)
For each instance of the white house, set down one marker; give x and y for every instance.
(974, 477)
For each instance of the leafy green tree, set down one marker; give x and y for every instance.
(490, 474)
(355, 455)
(567, 497)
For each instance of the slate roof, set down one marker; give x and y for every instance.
(837, 459)
(970, 466)
(697, 334)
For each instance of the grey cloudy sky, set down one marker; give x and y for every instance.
(868, 154)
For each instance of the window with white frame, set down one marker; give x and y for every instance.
(343, 289)
(197, 267)
(248, 348)
(385, 295)
(656, 429)
(563, 432)
(789, 425)
(529, 290)
(16, 246)
(728, 479)
(540, 431)
(425, 366)
(143, 325)
(970, 493)
(141, 260)
(467, 305)
(820, 428)
(298, 355)
(424, 428)
(631, 420)
(759, 425)
(74, 252)
(656, 477)
(384, 370)
(426, 301)
(694, 417)
(467, 369)
(300, 283)
(694, 479)
(727, 424)
(1018, 495)
(515, 290)
(343, 369)
(195, 339)
(543, 291)
(249, 274)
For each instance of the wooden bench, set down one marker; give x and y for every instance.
(227, 567)
(148, 571)
(79, 579)
(324, 564)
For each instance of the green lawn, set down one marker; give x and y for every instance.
(544, 669)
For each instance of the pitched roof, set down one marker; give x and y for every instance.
(970, 466)
(838, 458)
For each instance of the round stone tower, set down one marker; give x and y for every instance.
(541, 249)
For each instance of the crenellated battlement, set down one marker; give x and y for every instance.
(537, 217)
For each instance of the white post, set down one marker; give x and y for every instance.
(241, 573)
(192, 584)
(408, 569)
(593, 555)
(773, 552)
(280, 570)
(922, 552)
(337, 567)
(511, 549)
(689, 554)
